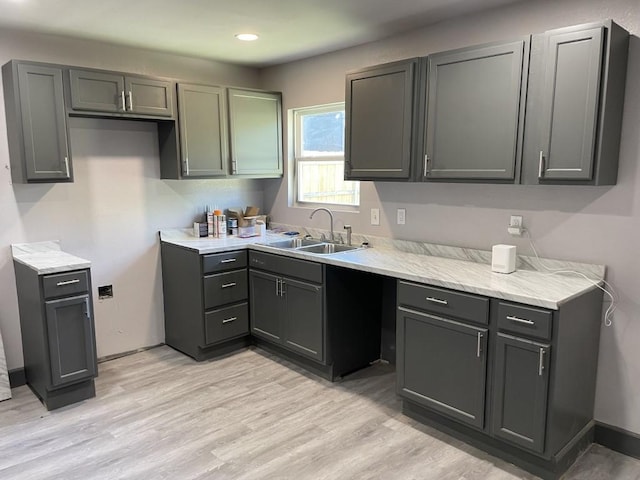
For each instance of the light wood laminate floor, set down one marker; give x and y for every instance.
(160, 415)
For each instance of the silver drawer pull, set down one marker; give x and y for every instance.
(228, 260)
(227, 285)
(130, 100)
(229, 320)
(437, 300)
(124, 104)
(479, 349)
(68, 282)
(520, 320)
(541, 362)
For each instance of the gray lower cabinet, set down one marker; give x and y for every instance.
(206, 310)
(58, 334)
(574, 115)
(289, 311)
(106, 92)
(513, 379)
(442, 362)
(255, 133)
(521, 391)
(203, 130)
(381, 121)
(475, 112)
(36, 123)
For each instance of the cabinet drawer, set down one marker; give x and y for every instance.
(444, 302)
(226, 323)
(223, 288)
(65, 284)
(218, 262)
(288, 267)
(522, 320)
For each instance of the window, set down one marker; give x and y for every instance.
(319, 157)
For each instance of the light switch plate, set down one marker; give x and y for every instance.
(375, 216)
(401, 216)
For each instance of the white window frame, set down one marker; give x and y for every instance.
(298, 113)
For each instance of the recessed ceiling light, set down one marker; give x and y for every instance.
(247, 37)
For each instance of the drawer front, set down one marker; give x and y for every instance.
(226, 323)
(224, 288)
(523, 320)
(286, 266)
(444, 302)
(65, 284)
(219, 262)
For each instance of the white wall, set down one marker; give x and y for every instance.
(590, 224)
(111, 214)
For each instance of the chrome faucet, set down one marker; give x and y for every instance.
(330, 215)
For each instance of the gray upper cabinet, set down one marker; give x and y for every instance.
(475, 107)
(105, 92)
(36, 123)
(255, 130)
(380, 113)
(578, 79)
(203, 132)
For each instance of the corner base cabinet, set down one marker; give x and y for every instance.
(206, 311)
(58, 339)
(515, 380)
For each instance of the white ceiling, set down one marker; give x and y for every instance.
(288, 29)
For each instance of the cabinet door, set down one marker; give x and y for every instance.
(304, 320)
(44, 123)
(97, 91)
(442, 365)
(255, 123)
(474, 106)
(71, 339)
(267, 306)
(203, 131)
(149, 97)
(521, 382)
(570, 104)
(379, 111)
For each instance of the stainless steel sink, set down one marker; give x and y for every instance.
(327, 248)
(294, 243)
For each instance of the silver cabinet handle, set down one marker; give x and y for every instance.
(186, 166)
(227, 285)
(68, 282)
(229, 320)
(130, 101)
(426, 165)
(277, 287)
(124, 102)
(437, 300)
(479, 348)
(234, 166)
(66, 166)
(541, 165)
(86, 308)
(228, 260)
(520, 320)
(283, 292)
(541, 362)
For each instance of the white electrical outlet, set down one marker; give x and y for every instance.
(375, 216)
(515, 225)
(401, 216)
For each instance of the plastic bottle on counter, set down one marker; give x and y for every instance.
(220, 223)
(210, 222)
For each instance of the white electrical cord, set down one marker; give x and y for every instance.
(608, 314)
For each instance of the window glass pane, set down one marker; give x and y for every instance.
(322, 181)
(322, 134)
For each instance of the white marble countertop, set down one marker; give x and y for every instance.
(525, 286)
(47, 257)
